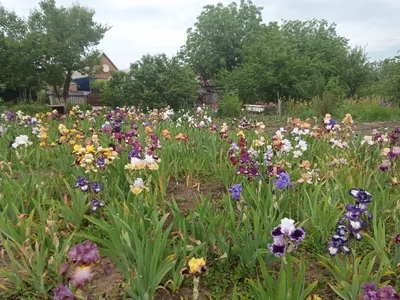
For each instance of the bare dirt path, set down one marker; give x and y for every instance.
(366, 128)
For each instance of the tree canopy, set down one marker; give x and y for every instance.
(231, 47)
(49, 46)
(154, 81)
(218, 37)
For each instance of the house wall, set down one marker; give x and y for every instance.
(73, 87)
(105, 61)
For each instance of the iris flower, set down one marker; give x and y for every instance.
(81, 275)
(63, 293)
(197, 266)
(283, 181)
(351, 223)
(138, 186)
(286, 237)
(235, 191)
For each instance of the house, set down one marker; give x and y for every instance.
(84, 81)
(80, 90)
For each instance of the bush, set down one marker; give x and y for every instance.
(299, 109)
(30, 108)
(331, 99)
(230, 106)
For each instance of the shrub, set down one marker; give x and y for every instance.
(230, 106)
(299, 109)
(30, 108)
(331, 99)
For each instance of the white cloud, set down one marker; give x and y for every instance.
(155, 26)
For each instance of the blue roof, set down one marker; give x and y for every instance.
(84, 84)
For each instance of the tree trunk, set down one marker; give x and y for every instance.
(353, 93)
(66, 87)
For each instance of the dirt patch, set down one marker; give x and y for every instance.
(314, 272)
(107, 281)
(185, 195)
(366, 128)
(183, 293)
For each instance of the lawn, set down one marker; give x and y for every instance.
(116, 204)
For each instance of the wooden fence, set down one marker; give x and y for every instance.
(75, 98)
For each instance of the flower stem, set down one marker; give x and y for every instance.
(196, 281)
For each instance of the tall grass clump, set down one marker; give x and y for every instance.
(230, 106)
(30, 108)
(371, 110)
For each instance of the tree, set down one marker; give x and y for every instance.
(266, 68)
(63, 40)
(154, 82)
(356, 70)
(296, 60)
(17, 68)
(387, 84)
(216, 41)
(115, 91)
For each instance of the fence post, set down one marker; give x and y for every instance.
(279, 106)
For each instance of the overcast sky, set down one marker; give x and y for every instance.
(156, 26)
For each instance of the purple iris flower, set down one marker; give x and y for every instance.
(277, 249)
(385, 166)
(355, 223)
(332, 122)
(272, 169)
(96, 187)
(101, 162)
(241, 170)
(96, 204)
(387, 292)
(297, 235)
(131, 133)
(361, 196)
(63, 293)
(119, 136)
(372, 293)
(28, 120)
(116, 128)
(285, 236)
(83, 184)
(236, 191)
(254, 172)
(397, 239)
(276, 232)
(283, 181)
(85, 253)
(338, 243)
(244, 158)
(10, 116)
(351, 223)
(135, 152)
